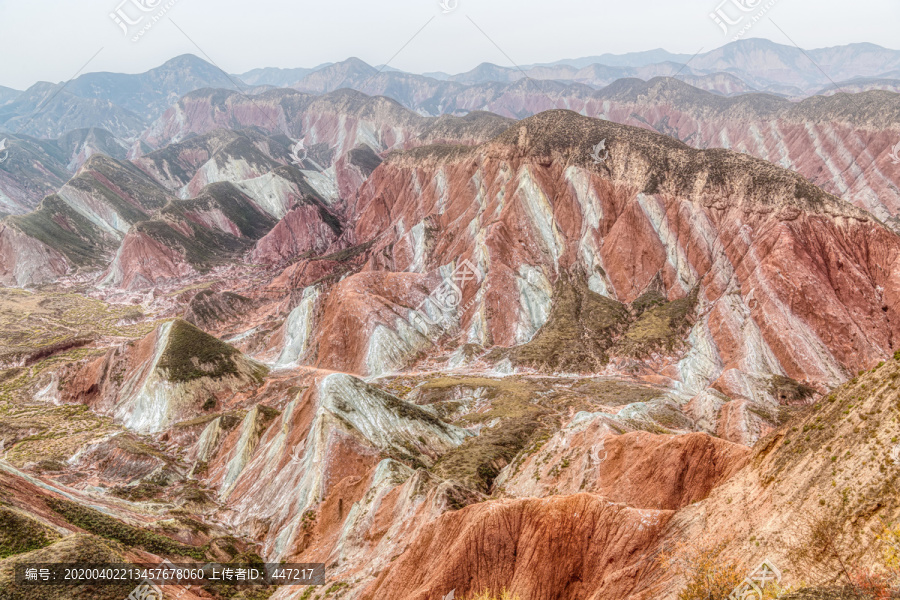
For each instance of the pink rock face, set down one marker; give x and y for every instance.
(26, 261)
(567, 547)
(349, 177)
(302, 230)
(791, 280)
(335, 124)
(640, 469)
(846, 157)
(327, 454)
(357, 310)
(142, 261)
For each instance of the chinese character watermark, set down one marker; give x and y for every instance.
(137, 20)
(600, 153)
(739, 15)
(751, 588)
(4, 151)
(449, 294)
(146, 591)
(894, 155)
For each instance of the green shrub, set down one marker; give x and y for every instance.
(193, 354)
(95, 522)
(19, 533)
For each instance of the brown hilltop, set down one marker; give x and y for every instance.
(646, 160)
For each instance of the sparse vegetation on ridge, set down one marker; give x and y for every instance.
(20, 533)
(585, 330)
(504, 594)
(35, 433)
(193, 354)
(582, 327)
(708, 571)
(104, 526)
(78, 548)
(516, 414)
(34, 321)
(661, 326)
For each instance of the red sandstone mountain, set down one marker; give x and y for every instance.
(841, 143)
(127, 222)
(767, 267)
(639, 313)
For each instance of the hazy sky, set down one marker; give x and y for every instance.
(50, 40)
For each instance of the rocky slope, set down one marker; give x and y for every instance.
(47, 110)
(123, 104)
(81, 225)
(166, 377)
(330, 125)
(149, 94)
(532, 362)
(721, 247)
(31, 169)
(126, 219)
(831, 464)
(841, 143)
(188, 237)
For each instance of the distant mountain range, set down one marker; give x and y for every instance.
(122, 104)
(125, 105)
(761, 65)
(51, 130)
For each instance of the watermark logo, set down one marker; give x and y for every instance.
(751, 588)
(134, 17)
(146, 591)
(451, 595)
(296, 157)
(894, 155)
(600, 153)
(448, 6)
(730, 14)
(4, 151)
(448, 296)
(895, 455)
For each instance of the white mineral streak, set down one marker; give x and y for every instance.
(146, 398)
(209, 440)
(540, 213)
(97, 211)
(270, 192)
(243, 452)
(654, 209)
(390, 349)
(441, 190)
(325, 183)
(592, 213)
(418, 242)
(347, 408)
(535, 300)
(298, 328)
